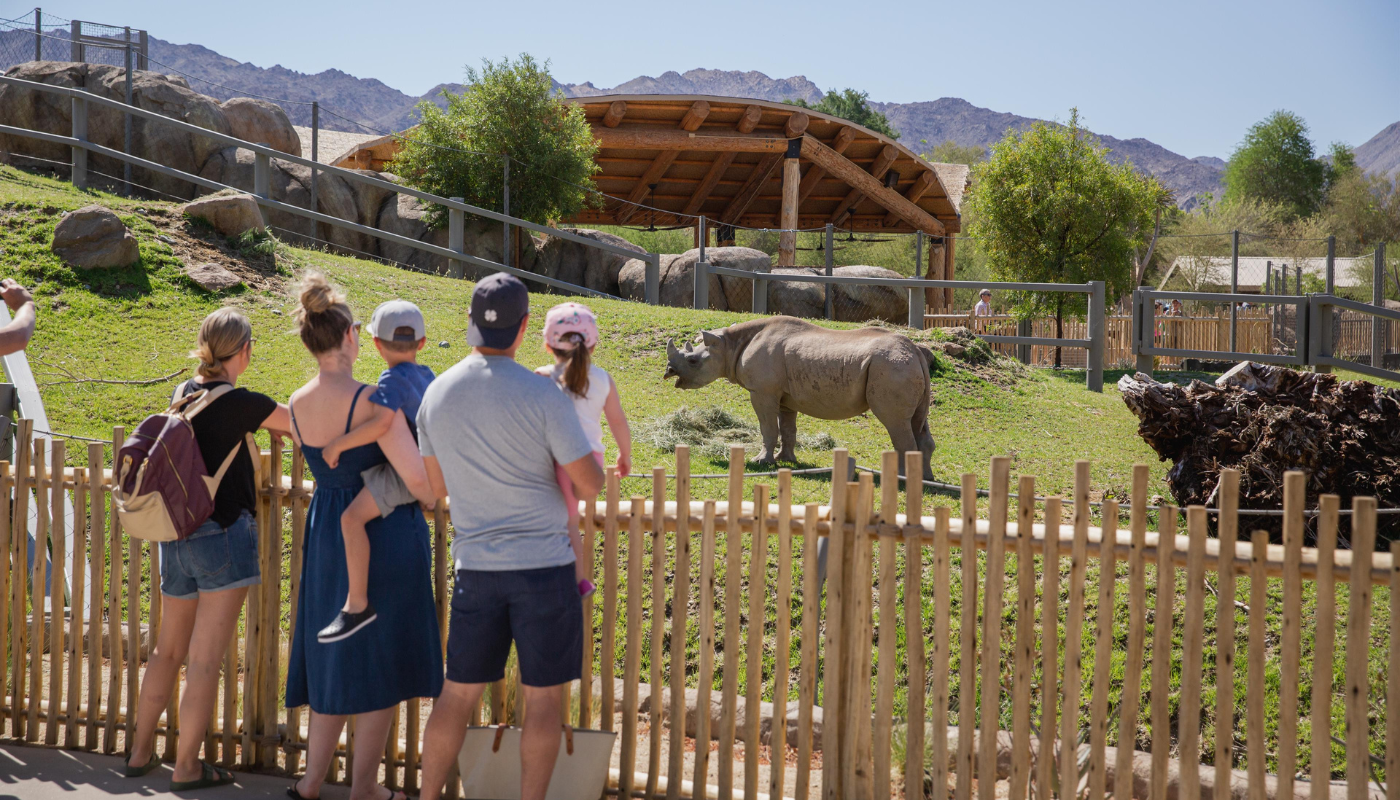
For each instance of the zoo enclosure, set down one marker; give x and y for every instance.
(988, 657)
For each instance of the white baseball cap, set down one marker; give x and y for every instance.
(389, 317)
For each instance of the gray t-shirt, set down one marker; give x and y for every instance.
(497, 429)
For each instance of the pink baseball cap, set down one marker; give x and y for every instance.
(570, 318)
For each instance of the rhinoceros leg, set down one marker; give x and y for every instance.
(787, 434)
(767, 407)
(901, 432)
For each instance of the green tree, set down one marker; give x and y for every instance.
(950, 152)
(1275, 163)
(851, 105)
(505, 111)
(1050, 207)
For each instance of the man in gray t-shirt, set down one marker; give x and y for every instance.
(491, 432)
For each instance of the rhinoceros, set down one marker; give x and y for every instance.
(790, 367)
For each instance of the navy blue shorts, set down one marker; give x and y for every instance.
(539, 609)
(210, 559)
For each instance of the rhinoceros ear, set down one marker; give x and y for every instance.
(711, 339)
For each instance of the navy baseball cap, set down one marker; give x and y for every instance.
(499, 302)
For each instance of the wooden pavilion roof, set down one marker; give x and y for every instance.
(721, 157)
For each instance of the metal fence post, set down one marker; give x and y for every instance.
(1094, 374)
(315, 137)
(760, 293)
(456, 239)
(830, 261)
(916, 310)
(80, 132)
(262, 179)
(1234, 284)
(38, 34)
(505, 226)
(652, 289)
(126, 118)
(1145, 332)
(1320, 331)
(75, 41)
(1024, 327)
(143, 50)
(1378, 299)
(702, 285)
(1331, 265)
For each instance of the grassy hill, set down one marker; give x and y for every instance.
(139, 323)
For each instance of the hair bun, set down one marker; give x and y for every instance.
(317, 294)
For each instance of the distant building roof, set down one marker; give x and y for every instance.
(1213, 272)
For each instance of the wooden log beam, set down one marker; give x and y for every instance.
(615, 113)
(796, 125)
(750, 119)
(920, 188)
(868, 183)
(815, 173)
(691, 121)
(749, 191)
(648, 138)
(878, 168)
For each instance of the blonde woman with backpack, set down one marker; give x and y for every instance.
(204, 578)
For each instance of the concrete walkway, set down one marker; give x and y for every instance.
(40, 773)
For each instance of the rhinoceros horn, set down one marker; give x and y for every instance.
(671, 352)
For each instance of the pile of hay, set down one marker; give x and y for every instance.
(710, 431)
(1264, 421)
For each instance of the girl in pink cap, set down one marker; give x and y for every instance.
(570, 334)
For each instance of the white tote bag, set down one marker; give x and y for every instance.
(490, 764)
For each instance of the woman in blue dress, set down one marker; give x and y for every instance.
(400, 657)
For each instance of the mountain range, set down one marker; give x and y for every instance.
(367, 105)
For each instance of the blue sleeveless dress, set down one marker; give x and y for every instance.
(399, 656)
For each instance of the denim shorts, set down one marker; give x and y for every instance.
(539, 609)
(211, 559)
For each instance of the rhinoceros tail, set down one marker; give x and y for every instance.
(927, 353)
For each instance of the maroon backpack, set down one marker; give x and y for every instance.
(163, 490)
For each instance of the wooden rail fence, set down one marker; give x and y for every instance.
(1107, 659)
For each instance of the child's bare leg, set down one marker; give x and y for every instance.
(352, 528)
(583, 562)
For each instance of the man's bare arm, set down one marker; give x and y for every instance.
(586, 475)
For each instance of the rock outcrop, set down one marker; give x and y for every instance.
(94, 238)
(230, 214)
(582, 265)
(261, 122)
(678, 278)
(861, 303)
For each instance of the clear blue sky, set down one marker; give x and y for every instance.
(1190, 75)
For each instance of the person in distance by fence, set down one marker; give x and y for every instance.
(400, 658)
(491, 432)
(204, 578)
(984, 305)
(15, 336)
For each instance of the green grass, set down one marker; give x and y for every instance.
(139, 323)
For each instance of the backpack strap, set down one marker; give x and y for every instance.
(190, 405)
(212, 482)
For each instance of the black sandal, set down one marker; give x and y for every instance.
(135, 772)
(295, 795)
(213, 776)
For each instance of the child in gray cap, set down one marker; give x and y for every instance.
(399, 333)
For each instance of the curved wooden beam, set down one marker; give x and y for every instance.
(815, 173)
(869, 184)
(747, 122)
(921, 186)
(616, 111)
(649, 138)
(878, 169)
(749, 191)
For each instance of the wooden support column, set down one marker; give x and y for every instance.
(749, 121)
(933, 298)
(949, 245)
(792, 178)
(692, 119)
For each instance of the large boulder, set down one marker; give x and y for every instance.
(94, 238)
(51, 113)
(231, 214)
(796, 299)
(291, 184)
(589, 267)
(406, 216)
(678, 278)
(862, 303)
(261, 122)
(212, 277)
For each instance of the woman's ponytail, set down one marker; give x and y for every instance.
(576, 364)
